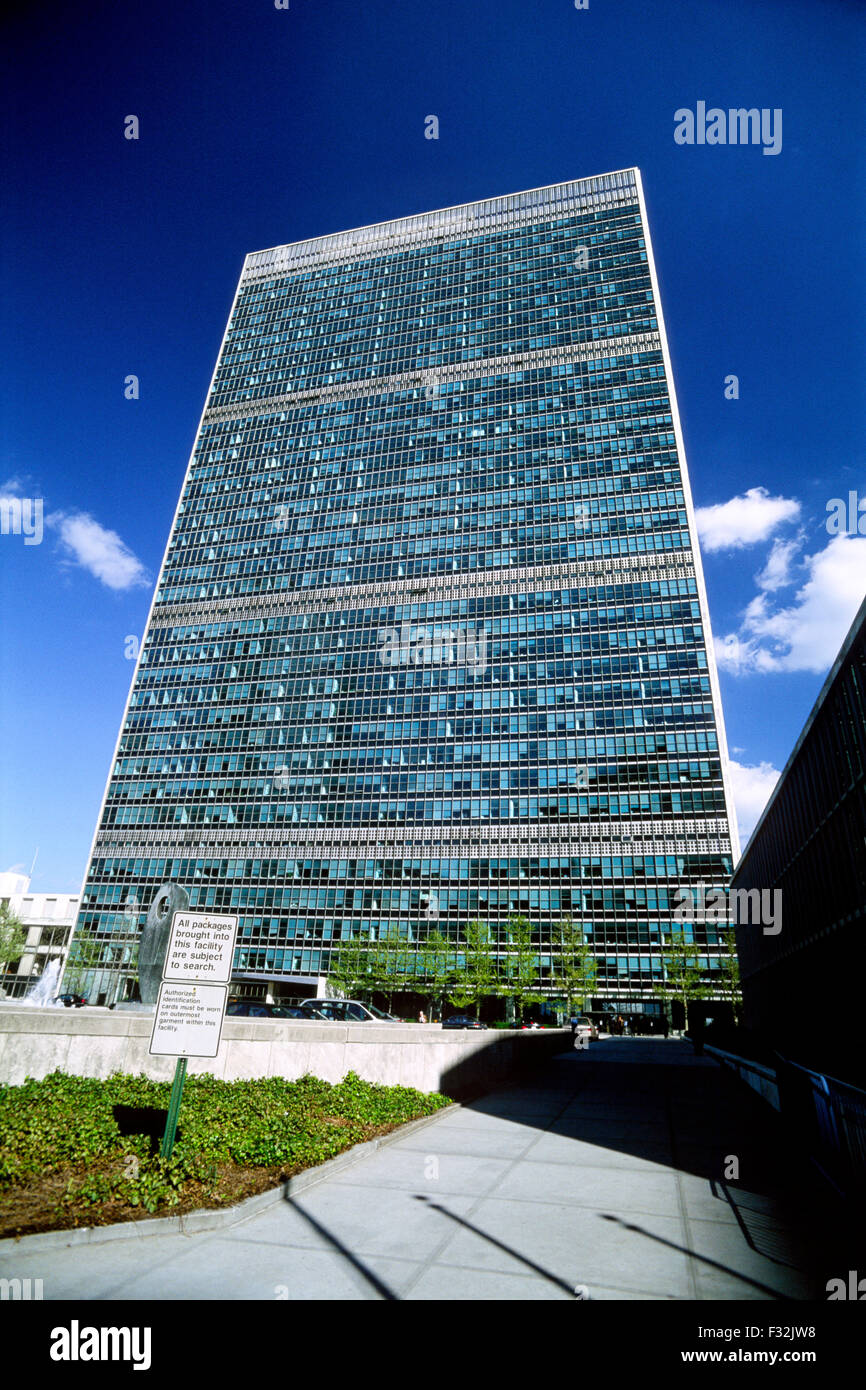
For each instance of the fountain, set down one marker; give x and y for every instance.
(42, 994)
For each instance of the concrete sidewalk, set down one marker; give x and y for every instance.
(600, 1176)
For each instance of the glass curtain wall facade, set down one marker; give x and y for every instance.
(430, 640)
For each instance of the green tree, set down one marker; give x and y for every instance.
(574, 967)
(435, 971)
(729, 970)
(390, 963)
(13, 937)
(85, 954)
(351, 968)
(683, 979)
(519, 973)
(477, 979)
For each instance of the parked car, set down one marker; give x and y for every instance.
(257, 1008)
(462, 1021)
(344, 1011)
(586, 1028)
(71, 1000)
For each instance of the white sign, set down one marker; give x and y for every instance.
(189, 1020)
(200, 948)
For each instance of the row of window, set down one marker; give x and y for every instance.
(341, 787)
(378, 812)
(455, 534)
(383, 667)
(445, 756)
(365, 652)
(306, 371)
(631, 462)
(144, 732)
(627, 606)
(328, 352)
(684, 868)
(625, 749)
(594, 387)
(207, 585)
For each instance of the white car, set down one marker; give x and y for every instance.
(585, 1028)
(345, 1011)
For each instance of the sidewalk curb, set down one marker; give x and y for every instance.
(196, 1221)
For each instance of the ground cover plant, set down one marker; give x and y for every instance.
(65, 1162)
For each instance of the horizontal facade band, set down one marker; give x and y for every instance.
(518, 850)
(633, 837)
(431, 378)
(630, 569)
(468, 219)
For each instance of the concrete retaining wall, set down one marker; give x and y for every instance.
(97, 1042)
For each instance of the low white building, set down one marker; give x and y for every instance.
(48, 919)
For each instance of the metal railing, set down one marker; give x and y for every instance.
(831, 1116)
(823, 1115)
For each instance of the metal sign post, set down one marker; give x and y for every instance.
(173, 1108)
(192, 998)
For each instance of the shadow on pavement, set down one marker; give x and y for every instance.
(372, 1279)
(500, 1245)
(654, 1101)
(704, 1259)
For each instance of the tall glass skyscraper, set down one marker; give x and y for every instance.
(430, 641)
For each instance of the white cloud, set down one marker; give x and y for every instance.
(751, 787)
(744, 520)
(99, 551)
(806, 635)
(776, 573)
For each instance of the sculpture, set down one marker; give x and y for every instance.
(170, 898)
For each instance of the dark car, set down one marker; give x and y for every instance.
(71, 1000)
(257, 1008)
(462, 1021)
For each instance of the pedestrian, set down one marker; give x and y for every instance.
(422, 1017)
(573, 1022)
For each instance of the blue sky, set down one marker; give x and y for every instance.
(261, 126)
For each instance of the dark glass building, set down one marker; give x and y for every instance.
(810, 845)
(430, 641)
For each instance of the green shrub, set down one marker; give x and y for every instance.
(267, 1123)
